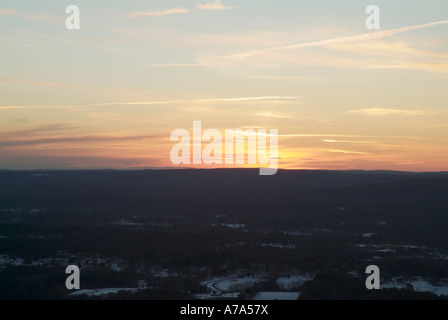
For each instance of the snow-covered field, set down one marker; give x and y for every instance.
(232, 283)
(424, 286)
(419, 285)
(100, 292)
(66, 259)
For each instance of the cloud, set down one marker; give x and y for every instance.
(399, 56)
(7, 12)
(139, 14)
(391, 49)
(41, 17)
(216, 5)
(143, 103)
(249, 99)
(56, 127)
(31, 16)
(137, 103)
(268, 114)
(33, 83)
(325, 43)
(347, 141)
(427, 67)
(388, 112)
(348, 152)
(75, 139)
(169, 65)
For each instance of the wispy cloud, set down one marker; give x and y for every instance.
(428, 67)
(325, 43)
(216, 5)
(331, 136)
(143, 103)
(7, 12)
(33, 83)
(139, 14)
(396, 56)
(50, 128)
(75, 139)
(137, 103)
(268, 115)
(349, 152)
(250, 99)
(30, 16)
(347, 141)
(43, 17)
(170, 65)
(388, 112)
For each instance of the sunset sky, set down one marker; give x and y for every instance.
(110, 94)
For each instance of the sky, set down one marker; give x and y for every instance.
(109, 95)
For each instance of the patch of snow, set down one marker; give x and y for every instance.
(277, 295)
(37, 210)
(127, 223)
(157, 224)
(32, 236)
(295, 233)
(411, 247)
(6, 260)
(294, 281)
(419, 285)
(231, 283)
(237, 284)
(10, 210)
(161, 273)
(368, 235)
(424, 286)
(234, 225)
(385, 250)
(207, 296)
(279, 245)
(321, 231)
(393, 284)
(116, 267)
(100, 292)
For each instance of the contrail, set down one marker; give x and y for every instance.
(249, 99)
(323, 43)
(143, 103)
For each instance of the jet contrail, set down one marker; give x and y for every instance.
(249, 99)
(143, 103)
(323, 43)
